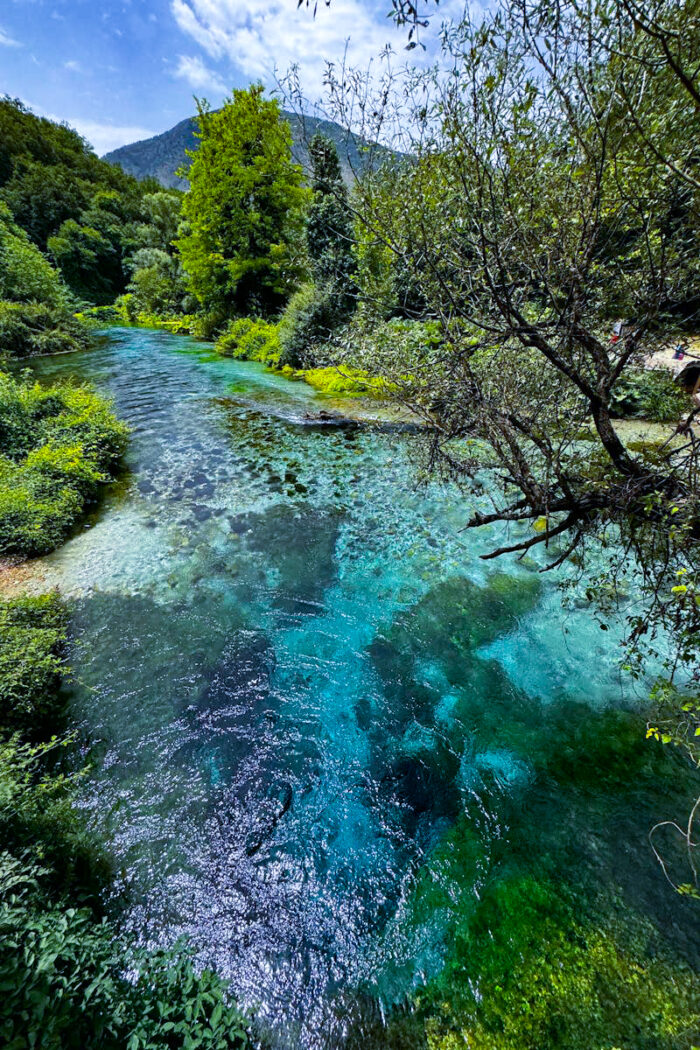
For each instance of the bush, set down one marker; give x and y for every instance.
(68, 981)
(250, 340)
(648, 394)
(31, 329)
(309, 320)
(100, 316)
(65, 988)
(208, 326)
(156, 283)
(60, 446)
(32, 637)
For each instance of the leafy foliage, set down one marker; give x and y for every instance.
(648, 394)
(241, 249)
(306, 325)
(25, 274)
(35, 317)
(68, 979)
(250, 340)
(59, 446)
(32, 637)
(70, 203)
(315, 311)
(32, 329)
(63, 975)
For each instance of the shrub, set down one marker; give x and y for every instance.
(32, 637)
(648, 394)
(40, 825)
(69, 982)
(310, 318)
(65, 987)
(60, 445)
(251, 340)
(32, 329)
(156, 283)
(208, 325)
(101, 316)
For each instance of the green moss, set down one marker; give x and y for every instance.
(345, 381)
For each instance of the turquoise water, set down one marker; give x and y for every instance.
(294, 675)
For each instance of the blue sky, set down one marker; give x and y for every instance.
(121, 71)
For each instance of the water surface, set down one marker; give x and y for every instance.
(295, 676)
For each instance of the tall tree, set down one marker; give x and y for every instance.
(320, 308)
(329, 232)
(244, 208)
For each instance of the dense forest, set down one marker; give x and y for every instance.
(515, 259)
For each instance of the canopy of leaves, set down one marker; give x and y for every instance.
(242, 247)
(68, 201)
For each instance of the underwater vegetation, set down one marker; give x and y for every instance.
(395, 799)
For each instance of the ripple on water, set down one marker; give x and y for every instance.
(298, 678)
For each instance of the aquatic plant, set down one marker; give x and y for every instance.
(529, 971)
(344, 381)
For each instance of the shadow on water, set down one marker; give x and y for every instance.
(316, 741)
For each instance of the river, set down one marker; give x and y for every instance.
(294, 675)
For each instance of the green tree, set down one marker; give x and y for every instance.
(317, 310)
(156, 283)
(88, 214)
(161, 220)
(25, 275)
(329, 232)
(242, 252)
(551, 191)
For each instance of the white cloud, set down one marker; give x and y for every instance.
(256, 36)
(199, 76)
(102, 137)
(72, 66)
(105, 137)
(7, 41)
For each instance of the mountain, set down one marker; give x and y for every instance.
(162, 155)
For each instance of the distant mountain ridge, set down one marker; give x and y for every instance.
(162, 155)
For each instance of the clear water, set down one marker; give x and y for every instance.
(294, 675)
